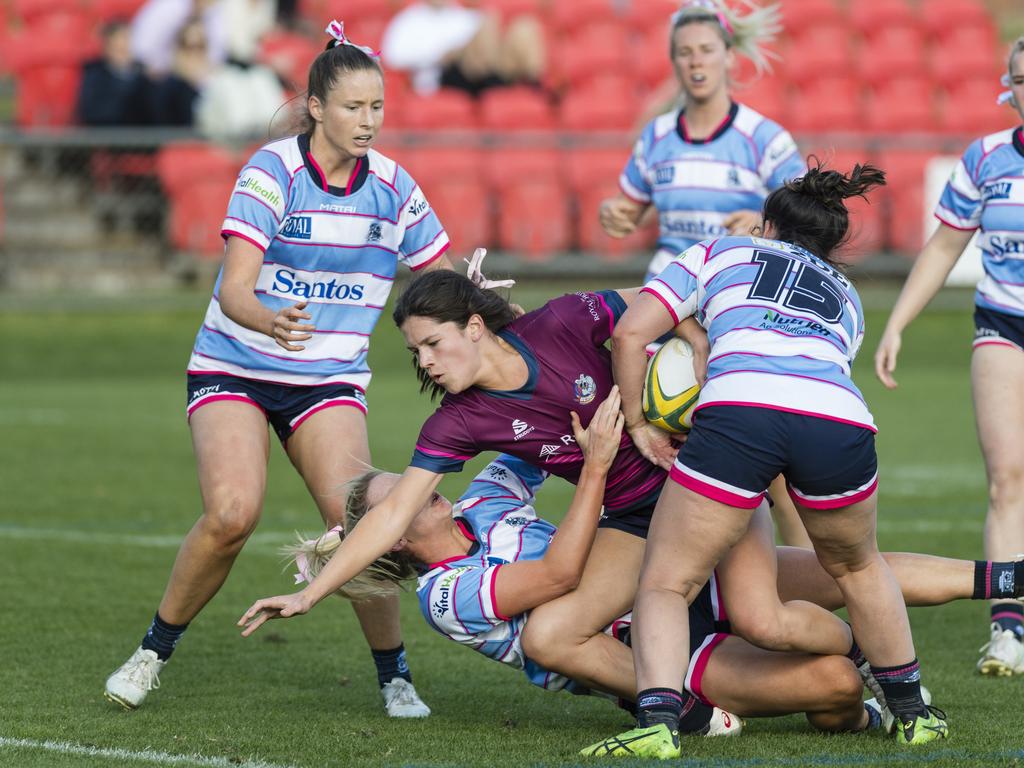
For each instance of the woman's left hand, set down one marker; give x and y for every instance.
(742, 222)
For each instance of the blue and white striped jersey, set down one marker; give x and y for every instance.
(986, 192)
(784, 326)
(457, 596)
(696, 184)
(337, 249)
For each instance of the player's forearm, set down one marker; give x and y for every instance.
(570, 546)
(239, 303)
(925, 280)
(628, 365)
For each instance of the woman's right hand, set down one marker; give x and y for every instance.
(287, 328)
(617, 216)
(601, 439)
(655, 445)
(280, 607)
(885, 357)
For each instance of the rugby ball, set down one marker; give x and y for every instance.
(670, 387)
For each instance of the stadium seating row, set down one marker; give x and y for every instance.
(532, 201)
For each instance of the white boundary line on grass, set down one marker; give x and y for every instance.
(146, 755)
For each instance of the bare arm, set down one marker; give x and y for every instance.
(242, 263)
(441, 262)
(524, 585)
(925, 280)
(644, 321)
(620, 215)
(375, 535)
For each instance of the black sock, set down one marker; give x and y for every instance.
(902, 687)
(162, 637)
(659, 705)
(997, 581)
(1009, 616)
(856, 655)
(391, 664)
(696, 716)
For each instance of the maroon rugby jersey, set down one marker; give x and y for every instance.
(569, 370)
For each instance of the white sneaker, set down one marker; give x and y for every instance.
(401, 700)
(888, 719)
(1003, 655)
(723, 724)
(134, 679)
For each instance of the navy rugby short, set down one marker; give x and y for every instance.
(734, 452)
(285, 406)
(991, 327)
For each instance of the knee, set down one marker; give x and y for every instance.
(547, 638)
(763, 628)
(1005, 487)
(841, 708)
(230, 519)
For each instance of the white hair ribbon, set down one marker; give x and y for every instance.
(1005, 96)
(336, 29)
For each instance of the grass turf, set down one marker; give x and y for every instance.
(98, 488)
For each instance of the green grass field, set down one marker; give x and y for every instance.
(98, 487)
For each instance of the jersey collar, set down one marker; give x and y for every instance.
(722, 128)
(355, 183)
(526, 391)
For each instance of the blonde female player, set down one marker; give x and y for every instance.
(784, 326)
(707, 167)
(315, 230)
(985, 194)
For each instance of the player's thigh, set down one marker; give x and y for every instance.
(752, 682)
(328, 449)
(844, 538)
(747, 573)
(997, 381)
(801, 577)
(231, 444)
(606, 590)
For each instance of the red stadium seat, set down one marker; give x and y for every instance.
(609, 108)
(869, 17)
(290, 56)
(903, 196)
(602, 50)
(950, 67)
(30, 11)
(593, 176)
(650, 62)
(178, 166)
(452, 180)
(571, 17)
(826, 105)
(533, 218)
(504, 109)
(198, 179)
(901, 104)
(973, 38)
(940, 17)
(47, 95)
(766, 95)
(108, 10)
(799, 16)
(821, 55)
(509, 9)
(447, 109)
(970, 108)
(892, 52)
(646, 16)
(512, 166)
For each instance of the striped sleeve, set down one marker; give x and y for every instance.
(507, 475)
(423, 237)
(635, 181)
(960, 205)
(676, 285)
(259, 200)
(461, 602)
(780, 160)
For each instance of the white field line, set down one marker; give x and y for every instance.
(264, 542)
(140, 755)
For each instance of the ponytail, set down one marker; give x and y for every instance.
(809, 211)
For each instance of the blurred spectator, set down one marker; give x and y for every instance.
(175, 94)
(248, 21)
(113, 86)
(158, 23)
(442, 44)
